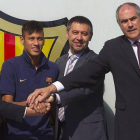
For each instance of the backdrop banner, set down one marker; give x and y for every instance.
(10, 32)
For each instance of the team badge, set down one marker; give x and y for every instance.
(48, 80)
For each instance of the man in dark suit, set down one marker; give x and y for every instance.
(83, 115)
(121, 56)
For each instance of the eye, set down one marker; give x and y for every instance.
(84, 33)
(31, 38)
(133, 18)
(40, 38)
(75, 32)
(124, 21)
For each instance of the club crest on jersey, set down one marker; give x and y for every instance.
(48, 81)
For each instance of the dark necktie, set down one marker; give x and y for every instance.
(138, 50)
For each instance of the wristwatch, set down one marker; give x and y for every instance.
(27, 105)
(54, 97)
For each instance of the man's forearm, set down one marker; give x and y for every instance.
(9, 98)
(20, 103)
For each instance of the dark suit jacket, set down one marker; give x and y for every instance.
(11, 111)
(84, 115)
(118, 57)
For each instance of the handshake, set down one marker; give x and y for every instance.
(39, 101)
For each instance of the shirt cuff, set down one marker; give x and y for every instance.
(59, 86)
(25, 112)
(58, 99)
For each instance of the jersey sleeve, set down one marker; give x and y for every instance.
(7, 82)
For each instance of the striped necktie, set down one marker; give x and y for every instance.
(61, 115)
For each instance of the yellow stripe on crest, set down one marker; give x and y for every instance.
(1, 49)
(18, 46)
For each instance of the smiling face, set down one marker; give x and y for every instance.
(33, 43)
(129, 22)
(79, 36)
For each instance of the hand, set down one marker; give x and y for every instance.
(32, 112)
(42, 107)
(41, 94)
(50, 99)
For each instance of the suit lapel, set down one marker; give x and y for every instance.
(82, 59)
(63, 65)
(80, 62)
(127, 48)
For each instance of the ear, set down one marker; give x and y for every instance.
(91, 34)
(22, 40)
(67, 34)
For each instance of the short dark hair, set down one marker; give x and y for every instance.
(135, 6)
(32, 26)
(81, 20)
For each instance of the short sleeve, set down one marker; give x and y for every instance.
(7, 82)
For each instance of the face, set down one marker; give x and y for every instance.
(129, 22)
(33, 43)
(79, 36)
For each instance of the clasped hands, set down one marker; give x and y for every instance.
(41, 98)
(39, 109)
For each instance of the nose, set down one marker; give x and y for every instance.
(130, 24)
(79, 37)
(35, 42)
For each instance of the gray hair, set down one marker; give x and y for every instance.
(135, 6)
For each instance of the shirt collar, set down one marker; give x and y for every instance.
(28, 60)
(77, 54)
(132, 42)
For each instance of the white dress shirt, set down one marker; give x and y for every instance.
(135, 48)
(58, 85)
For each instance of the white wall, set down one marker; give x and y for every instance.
(100, 12)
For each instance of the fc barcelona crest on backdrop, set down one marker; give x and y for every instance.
(10, 30)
